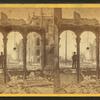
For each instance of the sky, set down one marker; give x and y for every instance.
(23, 13)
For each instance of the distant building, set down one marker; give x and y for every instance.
(47, 22)
(33, 48)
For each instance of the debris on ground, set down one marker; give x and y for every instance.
(88, 86)
(29, 86)
(35, 84)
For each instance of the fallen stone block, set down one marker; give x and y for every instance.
(92, 81)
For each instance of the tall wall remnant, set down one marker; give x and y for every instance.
(57, 15)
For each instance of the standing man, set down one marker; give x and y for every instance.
(74, 60)
(2, 60)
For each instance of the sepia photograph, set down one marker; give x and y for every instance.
(49, 50)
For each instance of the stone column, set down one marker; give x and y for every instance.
(78, 60)
(24, 57)
(56, 62)
(97, 56)
(5, 59)
(43, 52)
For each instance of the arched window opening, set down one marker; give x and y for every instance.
(33, 44)
(14, 49)
(38, 60)
(88, 50)
(38, 52)
(67, 46)
(38, 42)
(47, 42)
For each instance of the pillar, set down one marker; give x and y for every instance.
(56, 62)
(97, 57)
(24, 57)
(78, 60)
(5, 59)
(43, 52)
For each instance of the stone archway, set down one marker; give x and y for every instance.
(14, 53)
(33, 45)
(67, 45)
(88, 47)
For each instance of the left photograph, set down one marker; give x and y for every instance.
(23, 42)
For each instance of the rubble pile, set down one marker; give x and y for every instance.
(29, 86)
(87, 86)
(35, 84)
